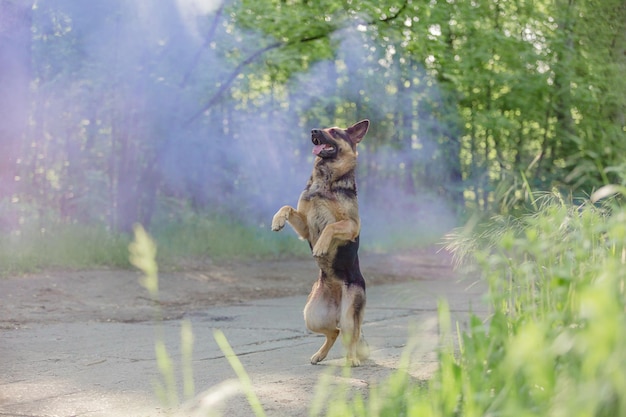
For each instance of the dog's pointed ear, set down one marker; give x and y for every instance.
(358, 130)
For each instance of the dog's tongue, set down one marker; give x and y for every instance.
(318, 148)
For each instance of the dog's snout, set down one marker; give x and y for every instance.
(315, 135)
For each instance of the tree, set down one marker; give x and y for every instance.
(15, 75)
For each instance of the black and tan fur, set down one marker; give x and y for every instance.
(327, 216)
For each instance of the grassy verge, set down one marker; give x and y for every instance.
(555, 343)
(186, 240)
(61, 246)
(220, 238)
(74, 246)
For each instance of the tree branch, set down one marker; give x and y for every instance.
(207, 42)
(235, 72)
(391, 18)
(255, 55)
(233, 75)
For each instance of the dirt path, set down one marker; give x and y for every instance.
(82, 342)
(116, 295)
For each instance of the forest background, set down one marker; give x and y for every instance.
(183, 113)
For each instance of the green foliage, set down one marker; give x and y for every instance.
(555, 342)
(556, 280)
(302, 30)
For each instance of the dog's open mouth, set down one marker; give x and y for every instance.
(323, 147)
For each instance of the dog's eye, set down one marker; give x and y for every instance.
(333, 132)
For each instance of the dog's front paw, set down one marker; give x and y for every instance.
(278, 222)
(321, 246)
(320, 250)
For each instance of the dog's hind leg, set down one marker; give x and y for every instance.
(321, 354)
(352, 311)
(321, 315)
(362, 348)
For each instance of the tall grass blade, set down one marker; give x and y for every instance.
(246, 383)
(607, 191)
(143, 253)
(186, 342)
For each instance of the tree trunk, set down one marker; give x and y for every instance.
(562, 99)
(15, 75)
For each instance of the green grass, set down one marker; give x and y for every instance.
(220, 238)
(186, 240)
(197, 237)
(555, 341)
(61, 246)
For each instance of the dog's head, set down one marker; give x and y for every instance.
(334, 142)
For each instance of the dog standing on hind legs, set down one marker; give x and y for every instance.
(327, 216)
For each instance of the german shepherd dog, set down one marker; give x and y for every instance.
(328, 218)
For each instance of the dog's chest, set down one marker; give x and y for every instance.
(317, 191)
(324, 205)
